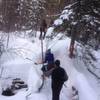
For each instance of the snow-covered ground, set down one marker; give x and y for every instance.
(18, 62)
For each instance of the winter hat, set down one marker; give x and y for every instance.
(57, 62)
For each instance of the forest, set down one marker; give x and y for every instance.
(71, 31)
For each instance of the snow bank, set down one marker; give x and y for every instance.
(84, 89)
(38, 96)
(58, 22)
(19, 96)
(49, 31)
(34, 80)
(32, 73)
(86, 92)
(14, 69)
(96, 54)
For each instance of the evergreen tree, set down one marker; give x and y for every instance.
(83, 24)
(20, 14)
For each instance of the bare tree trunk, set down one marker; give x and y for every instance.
(8, 40)
(73, 38)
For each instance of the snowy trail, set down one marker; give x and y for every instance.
(76, 78)
(60, 50)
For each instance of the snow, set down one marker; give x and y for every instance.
(96, 11)
(34, 79)
(65, 14)
(18, 96)
(49, 31)
(85, 91)
(74, 23)
(96, 54)
(17, 66)
(18, 62)
(69, 6)
(99, 28)
(58, 22)
(37, 96)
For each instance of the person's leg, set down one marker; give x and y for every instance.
(55, 96)
(40, 35)
(59, 89)
(44, 33)
(56, 88)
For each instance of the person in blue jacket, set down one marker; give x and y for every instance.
(49, 59)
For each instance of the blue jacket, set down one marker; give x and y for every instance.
(49, 58)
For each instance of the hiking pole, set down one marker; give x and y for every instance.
(42, 49)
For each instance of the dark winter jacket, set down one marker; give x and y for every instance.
(59, 75)
(49, 58)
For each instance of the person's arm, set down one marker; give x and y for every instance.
(48, 73)
(36, 63)
(46, 59)
(41, 62)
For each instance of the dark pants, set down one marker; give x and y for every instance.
(42, 34)
(44, 68)
(56, 88)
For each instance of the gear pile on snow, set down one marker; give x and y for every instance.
(16, 85)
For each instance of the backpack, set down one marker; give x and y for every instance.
(65, 77)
